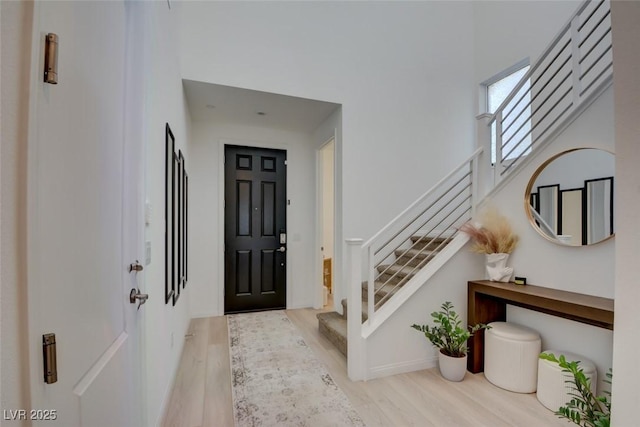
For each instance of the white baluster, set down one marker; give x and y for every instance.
(498, 166)
(355, 352)
(575, 60)
(474, 185)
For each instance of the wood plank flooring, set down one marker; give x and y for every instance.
(202, 392)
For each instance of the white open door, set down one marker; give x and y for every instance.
(85, 219)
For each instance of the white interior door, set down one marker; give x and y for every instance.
(84, 220)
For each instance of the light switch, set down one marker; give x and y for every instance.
(147, 212)
(147, 252)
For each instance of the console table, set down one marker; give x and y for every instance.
(487, 302)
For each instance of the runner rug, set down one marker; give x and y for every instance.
(277, 380)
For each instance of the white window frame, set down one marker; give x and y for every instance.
(484, 93)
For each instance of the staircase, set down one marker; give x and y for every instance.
(574, 70)
(389, 280)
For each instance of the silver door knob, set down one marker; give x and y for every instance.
(282, 249)
(135, 295)
(136, 266)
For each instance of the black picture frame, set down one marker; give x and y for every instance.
(186, 226)
(588, 239)
(181, 220)
(569, 211)
(549, 194)
(169, 287)
(175, 229)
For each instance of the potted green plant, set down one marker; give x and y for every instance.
(584, 408)
(450, 338)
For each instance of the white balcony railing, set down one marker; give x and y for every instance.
(571, 72)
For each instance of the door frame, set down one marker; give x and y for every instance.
(318, 297)
(221, 182)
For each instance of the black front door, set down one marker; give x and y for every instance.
(255, 229)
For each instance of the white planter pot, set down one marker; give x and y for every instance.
(452, 368)
(497, 269)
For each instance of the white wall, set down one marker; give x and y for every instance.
(402, 71)
(16, 24)
(626, 66)
(165, 325)
(206, 240)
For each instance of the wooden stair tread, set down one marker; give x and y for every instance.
(414, 253)
(397, 270)
(416, 238)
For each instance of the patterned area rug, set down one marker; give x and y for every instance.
(277, 380)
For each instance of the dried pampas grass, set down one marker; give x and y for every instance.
(494, 236)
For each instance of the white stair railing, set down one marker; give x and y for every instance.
(434, 218)
(572, 72)
(418, 233)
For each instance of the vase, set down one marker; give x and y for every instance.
(452, 368)
(496, 266)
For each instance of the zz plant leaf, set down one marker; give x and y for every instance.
(447, 333)
(584, 409)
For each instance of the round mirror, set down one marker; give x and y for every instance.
(569, 198)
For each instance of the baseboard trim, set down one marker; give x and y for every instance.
(205, 314)
(307, 304)
(401, 368)
(164, 406)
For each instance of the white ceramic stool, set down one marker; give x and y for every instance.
(511, 356)
(553, 390)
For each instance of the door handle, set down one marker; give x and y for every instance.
(282, 249)
(136, 266)
(135, 295)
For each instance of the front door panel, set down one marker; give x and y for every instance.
(255, 218)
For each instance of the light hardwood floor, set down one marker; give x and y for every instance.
(202, 391)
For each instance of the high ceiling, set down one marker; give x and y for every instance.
(217, 103)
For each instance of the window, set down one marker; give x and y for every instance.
(516, 125)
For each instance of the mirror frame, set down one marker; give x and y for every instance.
(528, 192)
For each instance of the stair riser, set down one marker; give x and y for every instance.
(414, 255)
(333, 336)
(408, 262)
(395, 270)
(396, 280)
(365, 296)
(344, 310)
(425, 244)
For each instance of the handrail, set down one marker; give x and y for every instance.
(570, 73)
(422, 198)
(540, 59)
